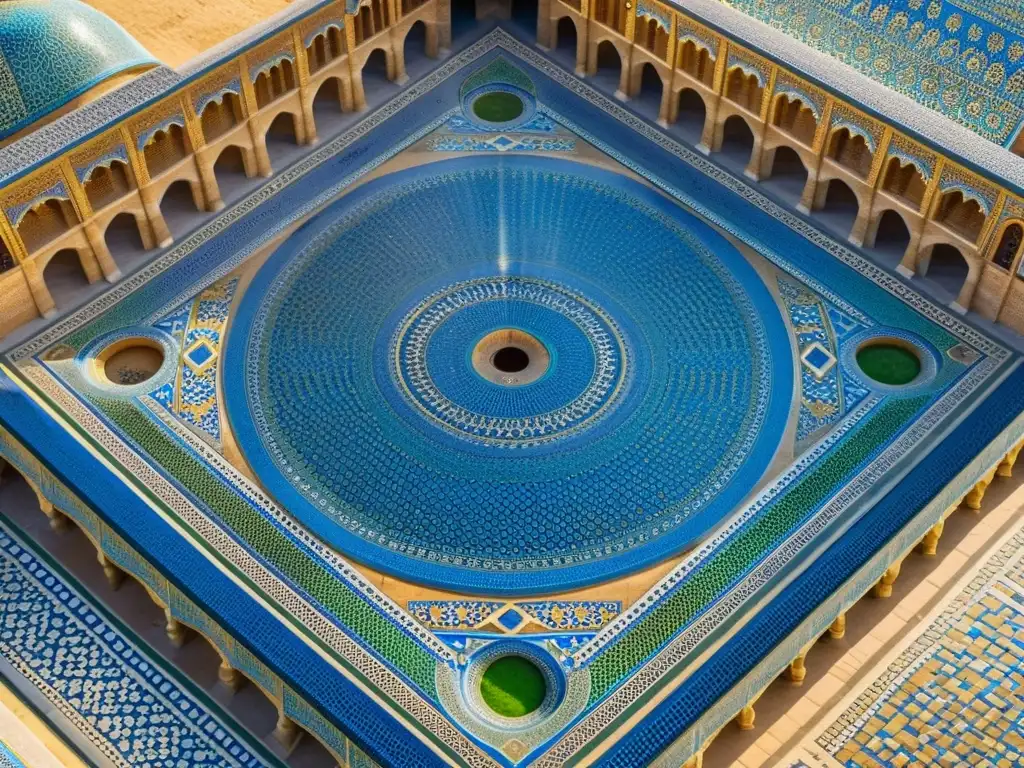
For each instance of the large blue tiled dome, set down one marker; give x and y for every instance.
(54, 50)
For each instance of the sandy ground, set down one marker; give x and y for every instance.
(176, 30)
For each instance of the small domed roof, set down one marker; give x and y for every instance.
(52, 51)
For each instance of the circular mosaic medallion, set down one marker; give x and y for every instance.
(554, 394)
(513, 684)
(504, 375)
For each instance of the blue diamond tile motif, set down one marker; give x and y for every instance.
(199, 355)
(818, 357)
(510, 619)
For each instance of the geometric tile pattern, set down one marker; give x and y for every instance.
(198, 326)
(501, 143)
(539, 123)
(460, 134)
(961, 58)
(128, 706)
(962, 707)
(555, 615)
(956, 696)
(820, 328)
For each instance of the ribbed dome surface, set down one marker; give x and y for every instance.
(54, 50)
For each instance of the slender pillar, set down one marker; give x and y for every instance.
(287, 732)
(745, 719)
(177, 632)
(930, 542)
(797, 671)
(838, 628)
(101, 252)
(259, 147)
(151, 205)
(229, 677)
(884, 586)
(115, 576)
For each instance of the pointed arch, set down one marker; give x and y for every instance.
(696, 61)
(795, 118)
(744, 89)
(165, 149)
(962, 215)
(65, 277)
(327, 46)
(108, 184)
(45, 222)
(1008, 246)
(221, 116)
(851, 151)
(904, 180)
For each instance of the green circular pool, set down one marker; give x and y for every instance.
(513, 686)
(498, 107)
(887, 363)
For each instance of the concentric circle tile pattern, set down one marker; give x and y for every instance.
(350, 386)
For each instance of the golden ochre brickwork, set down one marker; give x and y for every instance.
(956, 695)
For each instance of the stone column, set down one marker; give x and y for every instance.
(177, 632)
(229, 677)
(544, 31)
(306, 95)
(711, 138)
(665, 109)
(859, 232)
(444, 27)
(908, 264)
(40, 293)
(151, 205)
(259, 147)
(287, 731)
(966, 296)
(115, 576)
(838, 628)
(930, 542)
(101, 252)
(399, 74)
(884, 586)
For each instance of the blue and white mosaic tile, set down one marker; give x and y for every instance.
(122, 699)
